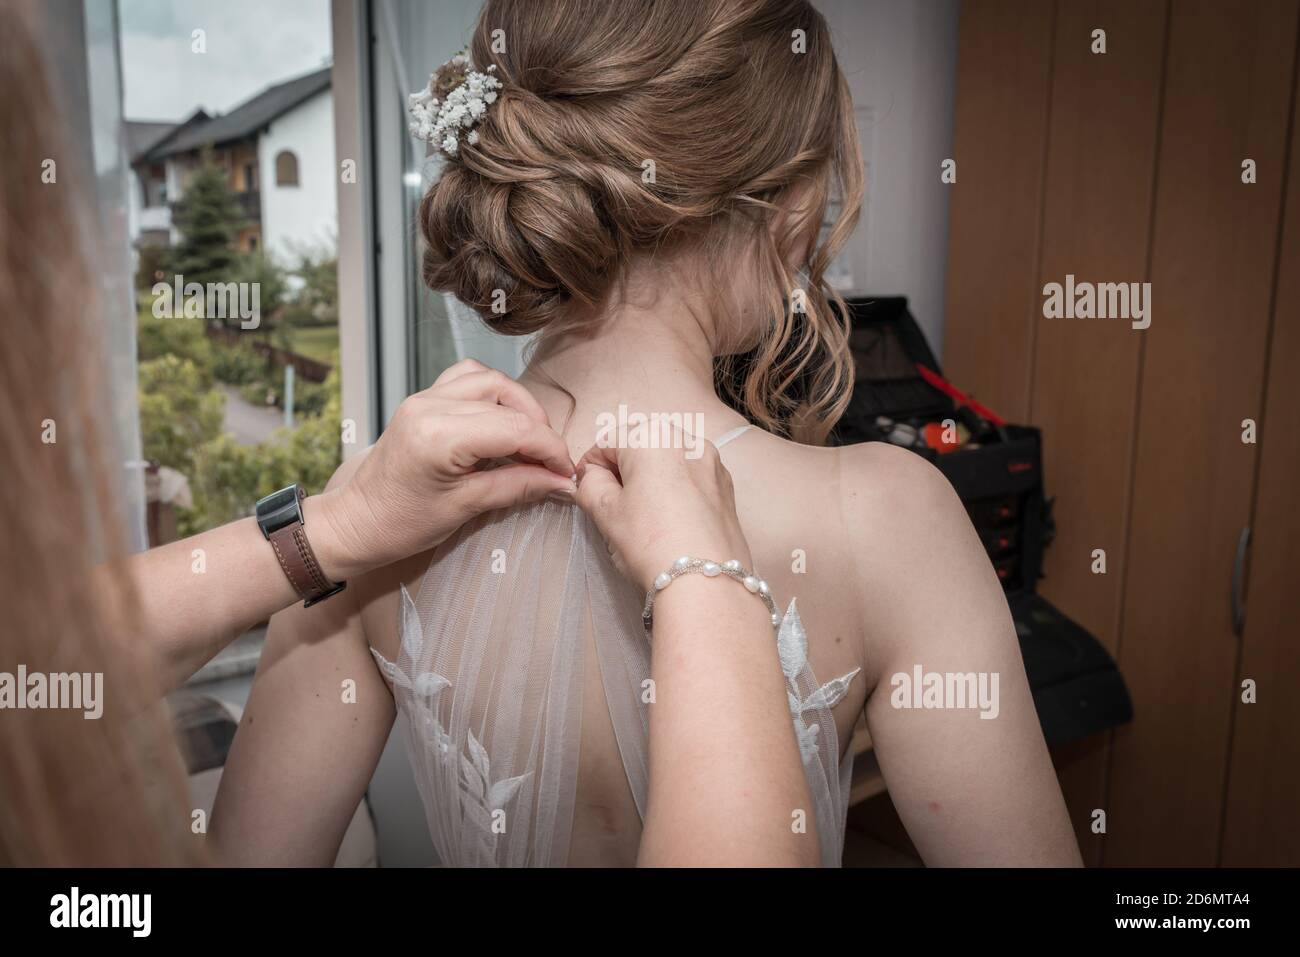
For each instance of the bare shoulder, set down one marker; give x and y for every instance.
(862, 489)
(908, 512)
(883, 486)
(920, 566)
(875, 507)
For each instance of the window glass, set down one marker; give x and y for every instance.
(422, 332)
(236, 316)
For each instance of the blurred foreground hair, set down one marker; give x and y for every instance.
(73, 792)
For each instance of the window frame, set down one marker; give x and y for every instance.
(292, 166)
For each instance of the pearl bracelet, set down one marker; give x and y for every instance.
(732, 569)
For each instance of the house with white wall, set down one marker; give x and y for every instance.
(278, 151)
(300, 178)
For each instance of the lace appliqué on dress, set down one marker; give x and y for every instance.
(488, 682)
(483, 801)
(792, 646)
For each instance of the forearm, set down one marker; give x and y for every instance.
(313, 727)
(197, 595)
(726, 782)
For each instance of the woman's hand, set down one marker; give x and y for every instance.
(654, 505)
(424, 478)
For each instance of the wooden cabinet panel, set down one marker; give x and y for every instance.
(1097, 207)
(1228, 83)
(1097, 227)
(1264, 784)
(1003, 77)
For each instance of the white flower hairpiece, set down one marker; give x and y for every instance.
(455, 100)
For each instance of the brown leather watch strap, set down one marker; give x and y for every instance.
(300, 565)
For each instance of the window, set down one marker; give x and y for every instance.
(286, 169)
(223, 371)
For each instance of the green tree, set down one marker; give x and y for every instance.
(179, 411)
(273, 292)
(318, 299)
(208, 219)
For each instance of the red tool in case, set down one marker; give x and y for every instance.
(957, 396)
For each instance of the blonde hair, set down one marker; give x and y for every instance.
(741, 107)
(73, 792)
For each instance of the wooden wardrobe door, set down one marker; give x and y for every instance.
(1228, 83)
(1264, 780)
(1003, 77)
(1097, 205)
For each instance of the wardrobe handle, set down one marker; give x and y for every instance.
(1238, 582)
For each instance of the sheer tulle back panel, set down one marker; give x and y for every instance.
(494, 652)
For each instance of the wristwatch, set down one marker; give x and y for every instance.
(279, 515)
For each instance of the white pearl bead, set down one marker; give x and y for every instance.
(750, 583)
(763, 589)
(776, 621)
(732, 565)
(710, 568)
(682, 562)
(662, 580)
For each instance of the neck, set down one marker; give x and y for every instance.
(650, 353)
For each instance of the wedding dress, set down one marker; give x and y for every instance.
(489, 680)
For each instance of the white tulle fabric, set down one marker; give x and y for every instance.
(489, 679)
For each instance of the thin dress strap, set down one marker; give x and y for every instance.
(733, 434)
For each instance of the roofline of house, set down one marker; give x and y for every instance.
(160, 151)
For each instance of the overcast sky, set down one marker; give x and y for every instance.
(251, 44)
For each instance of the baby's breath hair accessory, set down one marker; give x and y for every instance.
(456, 98)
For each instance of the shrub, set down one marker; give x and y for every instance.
(183, 338)
(309, 398)
(238, 365)
(179, 411)
(228, 478)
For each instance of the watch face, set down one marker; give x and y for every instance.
(279, 509)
